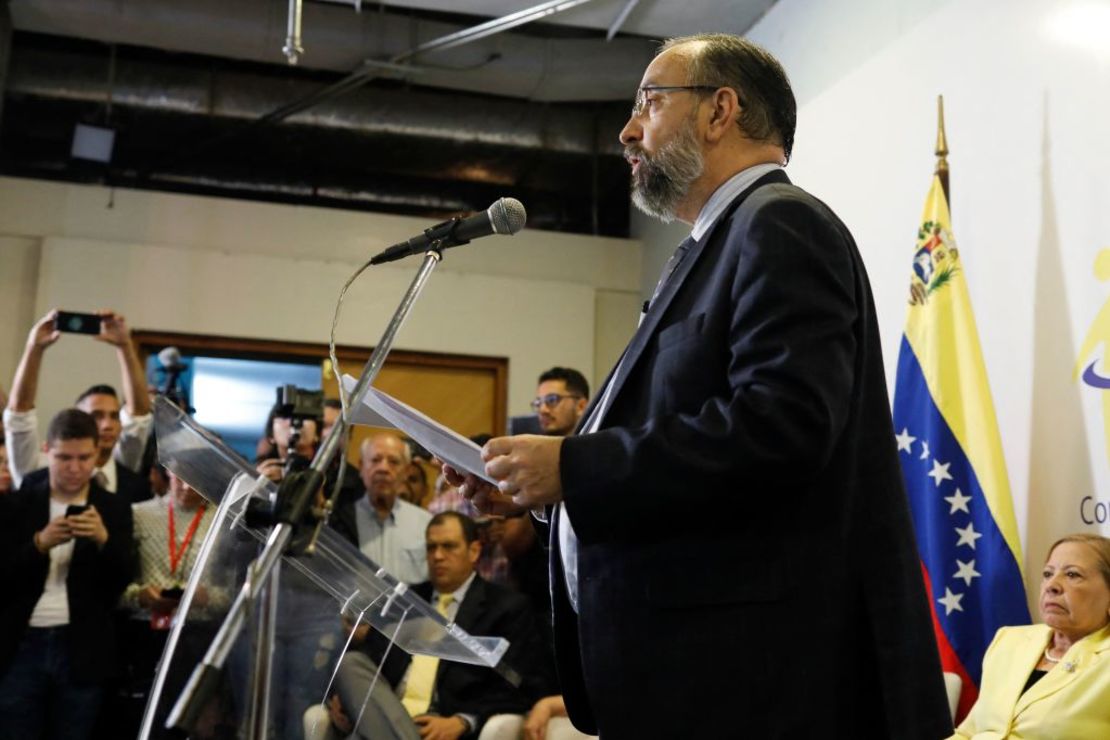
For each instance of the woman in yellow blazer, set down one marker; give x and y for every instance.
(1052, 680)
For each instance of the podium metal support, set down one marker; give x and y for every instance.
(291, 503)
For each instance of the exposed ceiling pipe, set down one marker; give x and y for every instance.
(490, 28)
(292, 48)
(365, 73)
(510, 64)
(235, 95)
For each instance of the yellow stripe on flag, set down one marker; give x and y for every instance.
(940, 328)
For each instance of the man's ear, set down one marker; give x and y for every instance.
(474, 550)
(722, 117)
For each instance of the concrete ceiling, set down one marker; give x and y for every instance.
(656, 19)
(203, 100)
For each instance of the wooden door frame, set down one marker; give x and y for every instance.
(147, 342)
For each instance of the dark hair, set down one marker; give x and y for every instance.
(574, 380)
(277, 412)
(333, 403)
(469, 526)
(71, 424)
(98, 390)
(769, 111)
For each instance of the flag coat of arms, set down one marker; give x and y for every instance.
(952, 460)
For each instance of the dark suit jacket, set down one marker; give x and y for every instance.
(489, 610)
(131, 486)
(96, 577)
(746, 557)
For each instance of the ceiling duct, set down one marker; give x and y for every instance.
(337, 38)
(384, 146)
(421, 114)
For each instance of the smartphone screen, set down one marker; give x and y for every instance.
(77, 323)
(75, 509)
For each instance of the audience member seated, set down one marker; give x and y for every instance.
(388, 530)
(279, 429)
(548, 721)
(159, 480)
(123, 433)
(448, 498)
(306, 635)
(280, 433)
(333, 409)
(420, 696)
(415, 488)
(65, 558)
(1051, 680)
(6, 484)
(169, 531)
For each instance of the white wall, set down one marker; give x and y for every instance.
(239, 268)
(1025, 85)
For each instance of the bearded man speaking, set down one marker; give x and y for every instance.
(732, 554)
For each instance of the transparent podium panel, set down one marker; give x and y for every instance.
(314, 600)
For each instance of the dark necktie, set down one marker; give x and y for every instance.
(669, 268)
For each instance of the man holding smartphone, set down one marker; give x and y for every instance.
(123, 432)
(65, 558)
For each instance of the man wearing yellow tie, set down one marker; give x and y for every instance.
(424, 697)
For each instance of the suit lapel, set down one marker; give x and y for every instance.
(1071, 666)
(473, 604)
(658, 308)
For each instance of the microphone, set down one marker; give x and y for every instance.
(505, 216)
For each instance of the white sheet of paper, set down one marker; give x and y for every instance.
(379, 409)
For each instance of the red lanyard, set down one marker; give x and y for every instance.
(175, 556)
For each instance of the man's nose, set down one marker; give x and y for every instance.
(632, 131)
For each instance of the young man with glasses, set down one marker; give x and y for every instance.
(561, 397)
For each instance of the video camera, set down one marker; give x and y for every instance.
(299, 403)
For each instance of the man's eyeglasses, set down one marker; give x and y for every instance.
(551, 399)
(641, 101)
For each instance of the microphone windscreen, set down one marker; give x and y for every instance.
(507, 216)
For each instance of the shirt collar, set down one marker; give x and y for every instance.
(365, 503)
(110, 475)
(460, 593)
(726, 193)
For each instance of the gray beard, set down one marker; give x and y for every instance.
(664, 179)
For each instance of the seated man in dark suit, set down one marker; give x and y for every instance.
(65, 558)
(426, 697)
(122, 430)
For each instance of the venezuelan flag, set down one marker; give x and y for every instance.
(952, 460)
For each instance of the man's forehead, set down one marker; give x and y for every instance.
(669, 67)
(551, 386)
(445, 531)
(98, 402)
(388, 446)
(82, 446)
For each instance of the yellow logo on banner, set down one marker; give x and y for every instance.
(1099, 334)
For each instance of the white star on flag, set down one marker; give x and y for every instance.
(939, 472)
(924, 450)
(951, 601)
(967, 571)
(968, 535)
(959, 502)
(905, 441)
